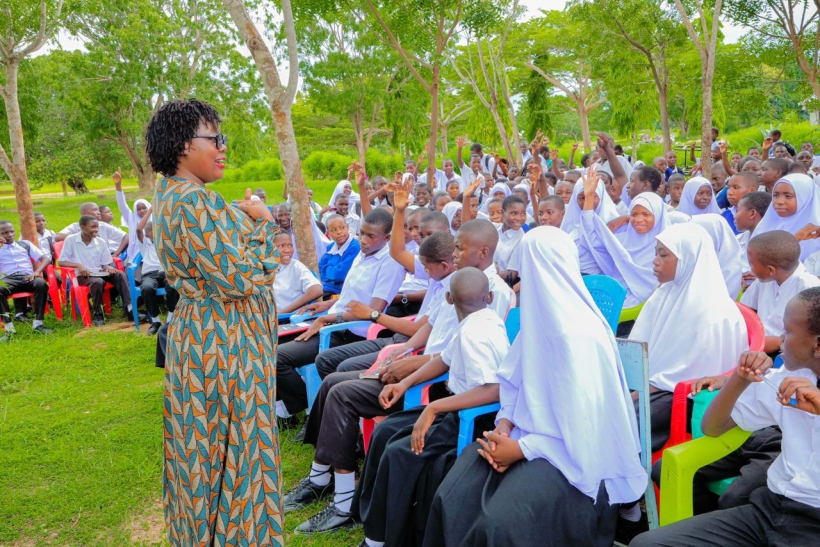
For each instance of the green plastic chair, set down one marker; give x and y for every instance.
(630, 314)
(681, 462)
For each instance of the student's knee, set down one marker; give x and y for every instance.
(40, 284)
(738, 493)
(643, 540)
(96, 283)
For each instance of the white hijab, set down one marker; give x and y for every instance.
(537, 394)
(627, 255)
(687, 199)
(353, 197)
(727, 249)
(716, 334)
(134, 217)
(676, 217)
(450, 211)
(501, 187)
(606, 209)
(808, 210)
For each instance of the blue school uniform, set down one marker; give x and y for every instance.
(335, 264)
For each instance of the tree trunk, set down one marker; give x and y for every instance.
(706, 122)
(15, 166)
(667, 135)
(358, 131)
(584, 114)
(431, 143)
(443, 131)
(146, 178)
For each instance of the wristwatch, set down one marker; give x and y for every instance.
(374, 316)
(339, 318)
(404, 299)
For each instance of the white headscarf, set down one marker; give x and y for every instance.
(676, 217)
(450, 211)
(606, 209)
(693, 299)
(501, 187)
(627, 255)
(353, 197)
(727, 249)
(134, 217)
(687, 199)
(536, 395)
(808, 210)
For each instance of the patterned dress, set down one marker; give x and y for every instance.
(222, 482)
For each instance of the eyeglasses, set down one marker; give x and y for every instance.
(219, 139)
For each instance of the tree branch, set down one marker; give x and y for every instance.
(42, 34)
(293, 52)
(5, 162)
(554, 81)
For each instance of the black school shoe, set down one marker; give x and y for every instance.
(42, 330)
(327, 521)
(304, 494)
(154, 328)
(98, 321)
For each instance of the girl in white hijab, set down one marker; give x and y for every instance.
(500, 188)
(131, 218)
(795, 204)
(453, 213)
(693, 328)
(727, 248)
(548, 476)
(344, 187)
(698, 198)
(627, 254)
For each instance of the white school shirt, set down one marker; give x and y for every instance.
(93, 256)
(111, 234)
(16, 259)
(743, 238)
(352, 220)
(770, 299)
(796, 471)
(812, 263)
(291, 283)
(150, 260)
(476, 351)
(435, 296)
(441, 179)
(374, 276)
(507, 244)
(412, 283)
(466, 179)
(42, 240)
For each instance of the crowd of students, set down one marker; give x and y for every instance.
(560, 463)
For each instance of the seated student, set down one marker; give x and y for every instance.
(17, 274)
(522, 190)
(614, 192)
(411, 449)
(413, 290)
(453, 213)
(546, 476)
(88, 254)
(510, 234)
(787, 510)
(348, 397)
(687, 316)
(738, 186)
(453, 189)
(774, 258)
(107, 232)
(45, 237)
(751, 209)
(643, 179)
(495, 212)
(698, 198)
(339, 257)
(106, 215)
(727, 249)
(294, 285)
(263, 195)
(551, 211)
(422, 195)
(795, 208)
(441, 200)
(343, 187)
(563, 190)
(342, 208)
(153, 277)
(500, 190)
(772, 171)
(374, 277)
(675, 186)
(628, 254)
(130, 217)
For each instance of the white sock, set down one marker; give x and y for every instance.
(345, 486)
(169, 317)
(319, 474)
(129, 308)
(282, 410)
(36, 323)
(155, 319)
(632, 514)
(373, 543)
(10, 328)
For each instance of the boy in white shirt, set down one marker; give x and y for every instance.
(153, 276)
(774, 258)
(342, 204)
(787, 510)
(294, 286)
(110, 234)
(749, 212)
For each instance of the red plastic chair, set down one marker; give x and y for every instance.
(77, 296)
(53, 293)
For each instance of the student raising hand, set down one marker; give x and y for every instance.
(590, 186)
(401, 192)
(804, 391)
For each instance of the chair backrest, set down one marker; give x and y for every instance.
(513, 323)
(635, 359)
(701, 402)
(57, 248)
(609, 296)
(754, 328)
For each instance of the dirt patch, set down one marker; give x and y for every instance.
(148, 528)
(106, 328)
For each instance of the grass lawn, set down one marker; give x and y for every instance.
(81, 424)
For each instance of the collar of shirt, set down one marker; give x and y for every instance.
(336, 250)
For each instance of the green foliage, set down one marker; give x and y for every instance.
(327, 165)
(255, 171)
(384, 164)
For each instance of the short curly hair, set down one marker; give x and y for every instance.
(171, 128)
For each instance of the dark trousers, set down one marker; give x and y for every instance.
(333, 425)
(355, 356)
(150, 283)
(767, 520)
(20, 283)
(96, 287)
(162, 343)
(749, 463)
(290, 388)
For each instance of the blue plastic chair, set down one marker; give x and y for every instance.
(284, 318)
(135, 290)
(609, 296)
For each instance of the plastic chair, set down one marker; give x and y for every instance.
(630, 314)
(53, 293)
(284, 318)
(609, 296)
(701, 402)
(135, 289)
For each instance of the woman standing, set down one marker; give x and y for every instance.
(221, 483)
